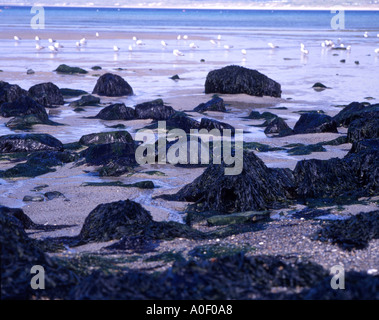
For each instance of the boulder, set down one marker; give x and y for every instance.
(23, 106)
(210, 124)
(46, 94)
(66, 92)
(256, 115)
(257, 188)
(29, 143)
(155, 110)
(178, 121)
(65, 69)
(236, 79)
(216, 104)
(112, 85)
(106, 137)
(355, 111)
(362, 129)
(315, 123)
(117, 111)
(10, 92)
(368, 144)
(278, 127)
(84, 101)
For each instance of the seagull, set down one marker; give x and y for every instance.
(116, 49)
(78, 45)
(244, 52)
(83, 41)
(272, 46)
(16, 38)
(193, 45)
(213, 42)
(185, 37)
(227, 47)
(39, 47)
(164, 44)
(302, 49)
(58, 45)
(53, 49)
(219, 37)
(37, 38)
(51, 40)
(377, 51)
(140, 43)
(135, 38)
(130, 48)
(178, 37)
(366, 34)
(178, 53)
(97, 35)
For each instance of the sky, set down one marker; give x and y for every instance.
(198, 3)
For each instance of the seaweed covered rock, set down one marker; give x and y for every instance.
(256, 115)
(106, 137)
(10, 92)
(112, 85)
(39, 163)
(210, 124)
(354, 176)
(70, 93)
(63, 68)
(367, 144)
(256, 188)
(155, 110)
(236, 79)
(23, 106)
(115, 159)
(86, 101)
(278, 127)
(315, 123)
(46, 94)
(17, 213)
(362, 129)
(353, 233)
(178, 121)
(356, 110)
(29, 143)
(216, 104)
(117, 111)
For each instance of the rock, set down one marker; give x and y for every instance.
(155, 110)
(362, 145)
(355, 111)
(115, 158)
(95, 68)
(238, 218)
(33, 199)
(106, 137)
(141, 184)
(315, 123)
(210, 124)
(116, 111)
(72, 92)
(112, 85)
(29, 143)
(175, 77)
(353, 233)
(216, 104)
(362, 129)
(25, 221)
(257, 188)
(39, 163)
(23, 106)
(352, 177)
(236, 79)
(318, 86)
(255, 115)
(63, 68)
(279, 127)
(46, 94)
(85, 101)
(10, 92)
(181, 121)
(305, 150)
(51, 195)
(30, 71)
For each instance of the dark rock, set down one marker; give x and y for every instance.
(305, 150)
(216, 104)
(25, 221)
(141, 184)
(355, 111)
(72, 92)
(238, 218)
(106, 137)
(256, 188)
(23, 106)
(115, 158)
(112, 85)
(46, 94)
(33, 199)
(178, 121)
(155, 110)
(278, 127)
(336, 142)
(63, 68)
(210, 124)
(95, 68)
(353, 233)
(30, 71)
(10, 92)
(315, 123)
(362, 145)
(255, 115)
(29, 143)
(116, 111)
(319, 86)
(51, 195)
(84, 101)
(137, 244)
(175, 77)
(39, 163)
(236, 79)
(362, 129)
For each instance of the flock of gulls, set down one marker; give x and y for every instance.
(54, 45)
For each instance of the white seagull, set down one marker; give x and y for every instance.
(97, 34)
(164, 44)
(116, 49)
(244, 52)
(185, 37)
(58, 45)
(178, 37)
(37, 38)
(177, 53)
(272, 46)
(39, 47)
(193, 45)
(219, 37)
(140, 43)
(365, 34)
(16, 38)
(227, 47)
(51, 40)
(53, 49)
(377, 51)
(130, 48)
(213, 42)
(302, 49)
